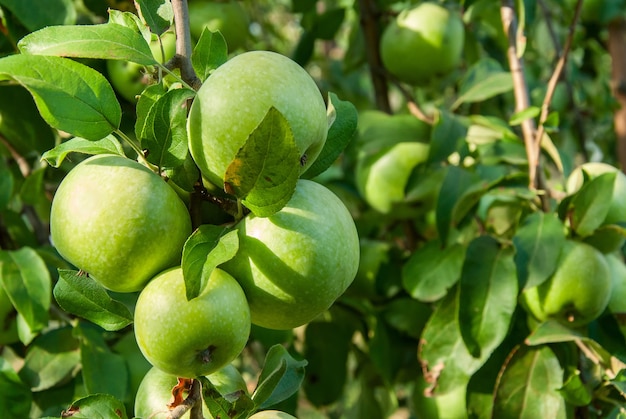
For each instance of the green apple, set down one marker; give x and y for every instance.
(294, 264)
(191, 338)
(423, 42)
(130, 79)
(577, 292)
(605, 239)
(154, 395)
(120, 222)
(236, 97)
(272, 414)
(617, 302)
(228, 17)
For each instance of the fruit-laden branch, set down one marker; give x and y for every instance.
(369, 24)
(556, 75)
(182, 59)
(522, 100)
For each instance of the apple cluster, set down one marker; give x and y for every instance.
(125, 227)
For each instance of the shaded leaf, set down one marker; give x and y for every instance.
(484, 80)
(208, 247)
(107, 145)
(344, 118)
(36, 14)
(281, 377)
(106, 41)
(538, 245)
(528, 386)
(84, 297)
(487, 295)
(164, 132)
(27, 282)
(591, 203)
(70, 96)
(266, 169)
(147, 99)
(15, 396)
(209, 53)
(232, 405)
(447, 134)
(519, 117)
(432, 270)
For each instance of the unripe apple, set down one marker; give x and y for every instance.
(228, 17)
(294, 264)
(272, 414)
(236, 97)
(191, 338)
(118, 221)
(424, 41)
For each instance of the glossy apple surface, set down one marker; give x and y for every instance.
(118, 221)
(196, 337)
(236, 97)
(422, 42)
(577, 292)
(294, 264)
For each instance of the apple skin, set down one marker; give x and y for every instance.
(451, 405)
(118, 221)
(272, 414)
(422, 42)
(294, 264)
(127, 78)
(191, 338)
(229, 17)
(577, 292)
(236, 97)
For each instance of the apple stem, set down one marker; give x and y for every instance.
(140, 154)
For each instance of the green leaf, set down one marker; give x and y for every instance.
(131, 21)
(574, 390)
(164, 132)
(432, 270)
(36, 14)
(529, 384)
(15, 396)
(591, 204)
(519, 117)
(103, 371)
(84, 297)
(224, 406)
(6, 185)
(538, 244)
(147, 99)
(157, 14)
(97, 406)
(27, 282)
(208, 247)
(70, 96)
(444, 357)
(449, 131)
(326, 24)
(50, 359)
(209, 53)
(487, 295)
(107, 145)
(344, 118)
(482, 81)
(106, 41)
(281, 377)
(266, 169)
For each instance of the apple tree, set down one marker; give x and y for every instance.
(276, 209)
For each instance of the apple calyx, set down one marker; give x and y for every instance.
(206, 355)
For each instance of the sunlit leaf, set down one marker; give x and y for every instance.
(209, 53)
(107, 145)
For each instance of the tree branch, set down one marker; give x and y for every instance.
(182, 59)
(194, 398)
(369, 24)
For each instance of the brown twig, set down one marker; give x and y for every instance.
(182, 59)
(369, 25)
(21, 162)
(411, 103)
(522, 100)
(194, 398)
(556, 75)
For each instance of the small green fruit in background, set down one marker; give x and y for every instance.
(236, 97)
(118, 221)
(423, 42)
(196, 337)
(271, 414)
(128, 79)
(577, 292)
(294, 264)
(228, 17)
